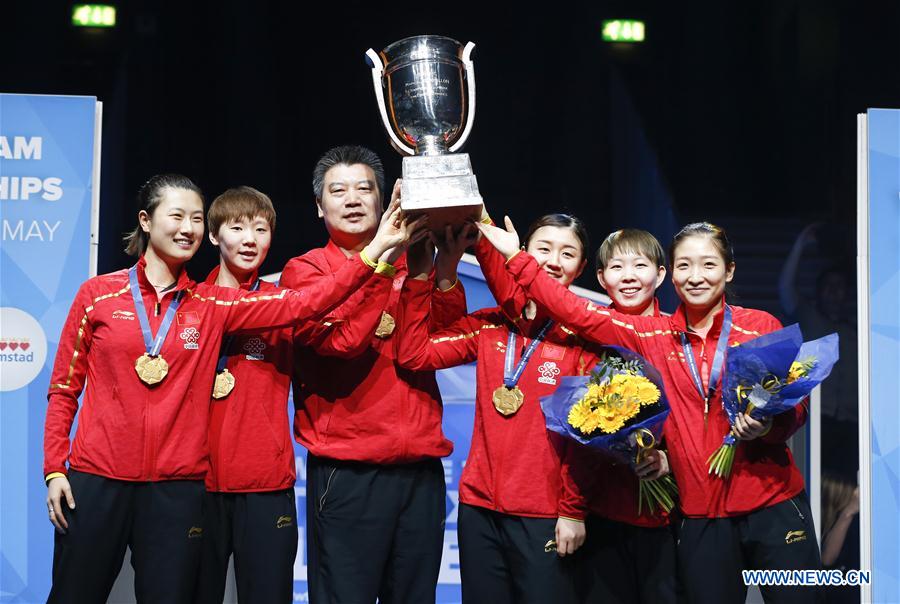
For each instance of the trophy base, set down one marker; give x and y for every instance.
(455, 216)
(442, 186)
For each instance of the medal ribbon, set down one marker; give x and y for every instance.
(229, 340)
(718, 361)
(152, 345)
(511, 376)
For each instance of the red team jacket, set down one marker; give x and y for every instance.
(250, 445)
(764, 472)
(605, 488)
(365, 408)
(515, 466)
(128, 430)
(610, 487)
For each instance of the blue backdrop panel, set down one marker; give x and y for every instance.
(884, 338)
(46, 161)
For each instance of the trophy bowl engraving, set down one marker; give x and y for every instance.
(425, 89)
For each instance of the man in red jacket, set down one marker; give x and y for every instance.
(375, 491)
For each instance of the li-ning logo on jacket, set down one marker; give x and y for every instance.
(794, 536)
(124, 315)
(548, 372)
(254, 348)
(191, 337)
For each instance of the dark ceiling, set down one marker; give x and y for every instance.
(749, 108)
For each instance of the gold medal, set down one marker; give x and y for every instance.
(508, 400)
(151, 370)
(224, 384)
(385, 326)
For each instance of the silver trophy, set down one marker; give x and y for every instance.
(425, 87)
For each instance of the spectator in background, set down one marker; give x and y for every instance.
(828, 312)
(840, 537)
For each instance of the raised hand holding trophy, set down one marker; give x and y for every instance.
(425, 88)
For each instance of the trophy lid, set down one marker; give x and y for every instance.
(425, 47)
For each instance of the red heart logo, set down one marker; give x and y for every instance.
(24, 345)
(2, 344)
(13, 345)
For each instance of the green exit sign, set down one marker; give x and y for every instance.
(623, 30)
(93, 15)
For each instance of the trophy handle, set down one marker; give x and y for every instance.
(470, 78)
(377, 72)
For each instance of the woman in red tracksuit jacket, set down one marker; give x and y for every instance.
(627, 557)
(139, 455)
(519, 517)
(757, 519)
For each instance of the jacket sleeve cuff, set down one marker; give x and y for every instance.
(572, 506)
(520, 266)
(52, 475)
(523, 268)
(384, 268)
(513, 257)
(366, 260)
(449, 289)
(779, 430)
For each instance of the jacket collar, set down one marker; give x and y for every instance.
(214, 274)
(656, 311)
(184, 281)
(528, 328)
(679, 321)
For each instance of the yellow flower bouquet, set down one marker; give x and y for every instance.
(619, 409)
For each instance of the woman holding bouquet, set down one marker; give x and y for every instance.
(759, 518)
(136, 466)
(520, 516)
(629, 553)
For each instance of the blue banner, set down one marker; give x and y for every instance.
(884, 349)
(47, 168)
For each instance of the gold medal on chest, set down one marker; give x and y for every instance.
(385, 326)
(223, 385)
(151, 370)
(508, 400)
